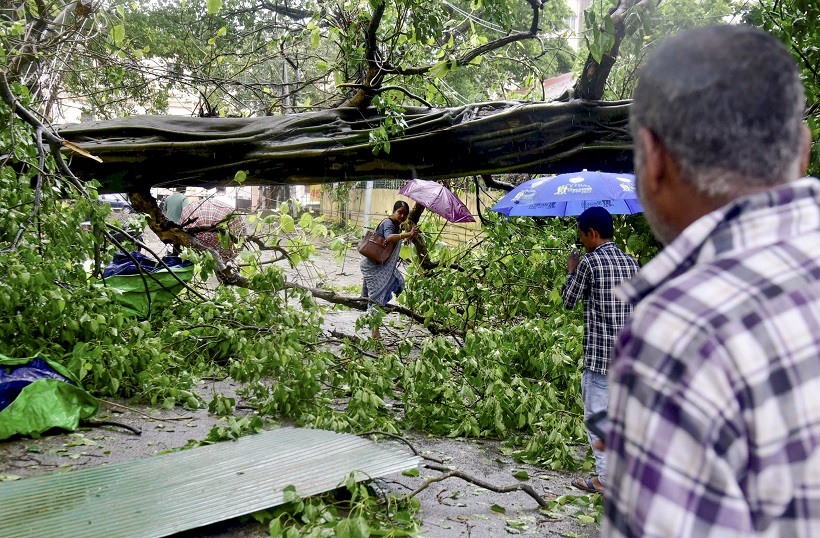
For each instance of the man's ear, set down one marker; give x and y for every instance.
(805, 150)
(654, 160)
(593, 234)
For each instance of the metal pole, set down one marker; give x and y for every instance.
(368, 202)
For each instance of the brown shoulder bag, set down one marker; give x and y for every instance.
(375, 247)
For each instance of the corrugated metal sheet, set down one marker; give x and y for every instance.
(169, 493)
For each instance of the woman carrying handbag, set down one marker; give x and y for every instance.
(381, 281)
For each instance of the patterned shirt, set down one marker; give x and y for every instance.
(604, 314)
(715, 389)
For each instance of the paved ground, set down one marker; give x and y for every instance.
(450, 508)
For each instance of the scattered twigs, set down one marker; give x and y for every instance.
(451, 473)
(113, 404)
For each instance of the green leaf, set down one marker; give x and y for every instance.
(214, 6)
(240, 176)
(289, 494)
(499, 509)
(441, 69)
(521, 475)
(411, 472)
(118, 34)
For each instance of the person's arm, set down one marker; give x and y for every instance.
(578, 274)
(395, 238)
(389, 230)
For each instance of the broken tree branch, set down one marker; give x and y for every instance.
(362, 303)
(448, 473)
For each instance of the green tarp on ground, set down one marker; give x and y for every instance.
(45, 403)
(134, 296)
(150, 285)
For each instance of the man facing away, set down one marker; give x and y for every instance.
(592, 278)
(174, 204)
(715, 397)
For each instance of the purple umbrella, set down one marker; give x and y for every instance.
(438, 199)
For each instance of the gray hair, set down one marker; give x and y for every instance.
(727, 103)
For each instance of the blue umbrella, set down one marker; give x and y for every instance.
(571, 194)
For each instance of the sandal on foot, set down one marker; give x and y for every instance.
(586, 485)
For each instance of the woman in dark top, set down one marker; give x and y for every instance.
(382, 280)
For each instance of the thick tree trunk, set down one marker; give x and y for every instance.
(413, 218)
(138, 152)
(171, 233)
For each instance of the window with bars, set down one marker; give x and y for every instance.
(392, 184)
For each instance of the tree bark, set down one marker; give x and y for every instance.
(332, 145)
(592, 82)
(413, 219)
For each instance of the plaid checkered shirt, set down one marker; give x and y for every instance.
(715, 386)
(597, 274)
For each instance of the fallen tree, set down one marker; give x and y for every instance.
(327, 146)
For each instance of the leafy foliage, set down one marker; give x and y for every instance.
(795, 23)
(516, 374)
(353, 511)
(239, 57)
(645, 29)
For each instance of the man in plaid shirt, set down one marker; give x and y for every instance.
(592, 278)
(715, 397)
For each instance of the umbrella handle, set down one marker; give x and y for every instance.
(439, 233)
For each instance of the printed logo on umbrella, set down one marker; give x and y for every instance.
(626, 184)
(573, 189)
(524, 196)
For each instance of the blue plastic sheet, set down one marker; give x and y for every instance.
(122, 264)
(14, 379)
